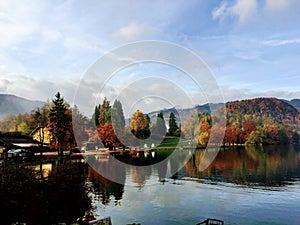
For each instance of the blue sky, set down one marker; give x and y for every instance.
(252, 47)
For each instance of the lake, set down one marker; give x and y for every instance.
(241, 186)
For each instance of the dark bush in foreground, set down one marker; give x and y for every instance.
(61, 197)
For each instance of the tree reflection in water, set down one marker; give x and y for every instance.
(103, 188)
(267, 166)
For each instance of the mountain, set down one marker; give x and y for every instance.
(11, 104)
(293, 102)
(281, 111)
(182, 114)
(274, 107)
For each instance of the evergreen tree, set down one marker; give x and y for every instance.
(104, 112)
(173, 127)
(95, 118)
(118, 122)
(117, 114)
(160, 126)
(60, 122)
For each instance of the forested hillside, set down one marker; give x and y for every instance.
(262, 121)
(260, 109)
(11, 104)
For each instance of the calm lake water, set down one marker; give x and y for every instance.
(241, 186)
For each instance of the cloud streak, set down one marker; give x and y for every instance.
(135, 31)
(242, 9)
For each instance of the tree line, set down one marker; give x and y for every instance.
(58, 124)
(112, 131)
(240, 129)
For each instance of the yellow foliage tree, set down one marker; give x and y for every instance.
(139, 125)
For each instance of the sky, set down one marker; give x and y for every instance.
(251, 49)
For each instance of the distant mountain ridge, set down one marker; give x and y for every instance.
(11, 104)
(293, 102)
(185, 113)
(281, 110)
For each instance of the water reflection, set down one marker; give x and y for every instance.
(104, 189)
(269, 166)
(186, 195)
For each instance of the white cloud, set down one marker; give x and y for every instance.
(231, 94)
(248, 55)
(135, 31)
(221, 12)
(2, 68)
(4, 83)
(243, 9)
(254, 10)
(279, 42)
(18, 22)
(52, 34)
(277, 5)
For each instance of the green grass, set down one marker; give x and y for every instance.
(169, 142)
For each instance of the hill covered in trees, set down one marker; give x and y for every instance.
(262, 108)
(262, 121)
(258, 121)
(11, 104)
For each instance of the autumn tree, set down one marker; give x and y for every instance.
(139, 125)
(79, 122)
(8, 123)
(40, 116)
(256, 137)
(16, 123)
(107, 135)
(190, 127)
(248, 126)
(60, 123)
(173, 127)
(232, 134)
(204, 130)
(111, 124)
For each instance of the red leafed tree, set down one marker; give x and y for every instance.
(232, 134)
(107, 135)
(272, 134)
(248, 126)
(92, 135)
